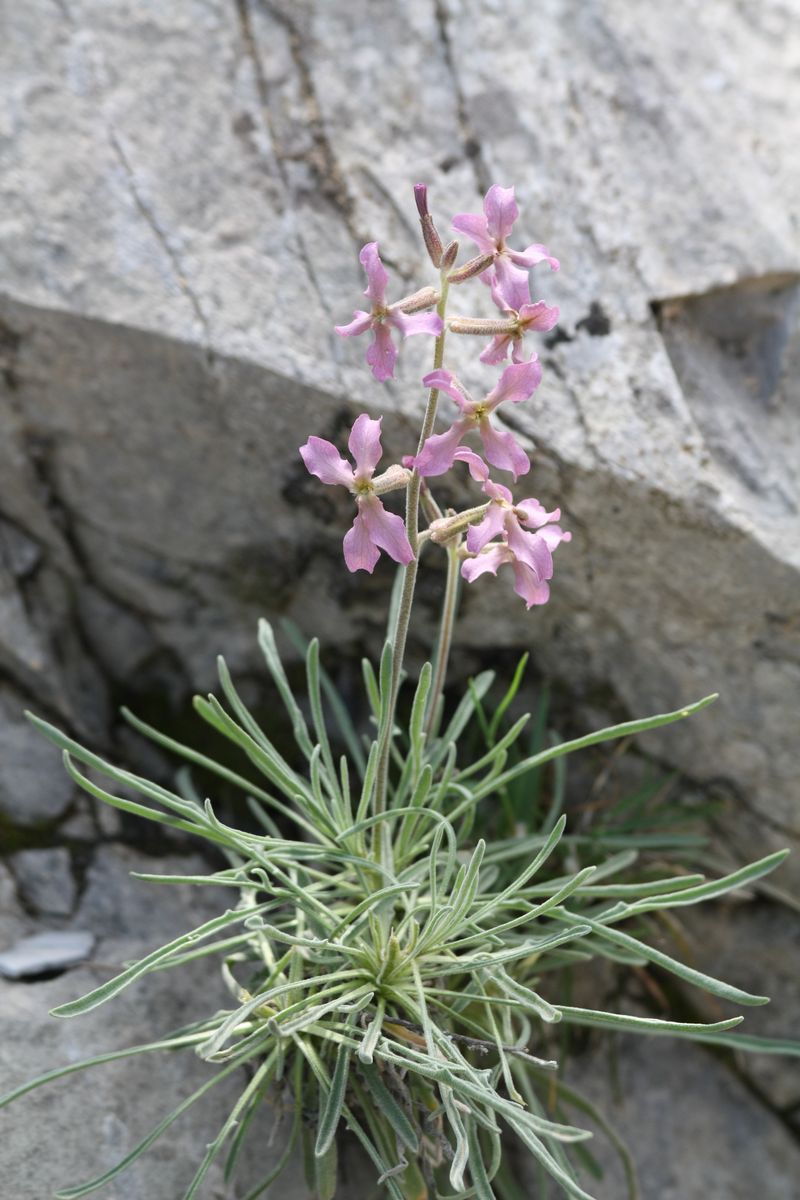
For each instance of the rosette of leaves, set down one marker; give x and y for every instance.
(389, 970)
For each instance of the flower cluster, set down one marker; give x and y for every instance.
(500, 531)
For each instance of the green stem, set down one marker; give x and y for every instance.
(445, 635)
(400, 634)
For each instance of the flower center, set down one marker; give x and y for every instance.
(363, 486)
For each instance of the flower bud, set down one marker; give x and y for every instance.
(449, 256)
(446, 528)
(425, 298)
(481, 327)
(391, 480)
(433, 243)
(475, 266)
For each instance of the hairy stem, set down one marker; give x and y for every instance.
(445, 635)
(400, 633)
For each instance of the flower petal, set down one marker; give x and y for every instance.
(474, 226)
(382, 354)
(532, 590)
(409, 324)
(510, 288)
(323, 460)
(489, 560)
(516, 384)
(377, 278)
(360, 552)
(529, 548)
(438, 452)
(535, 514)
(386, 530)
(491, 525)
(360, 324)
(497, 350)
(554, 535)
(539, 316)
(501, 211)
(445, 381)
(364, 444)
(503, 450)
(532, 256)
(512, 281)
(477, 467)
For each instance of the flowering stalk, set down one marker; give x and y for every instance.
(448, 620)
(399, 635)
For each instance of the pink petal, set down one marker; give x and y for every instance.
(489, 560)
(386, 530)
(512, 282)
(501, 211)
(323, 460)
(491, 525)
(360, 324)
(364, 444)
(409, 324)
(360, 553)
(510, 288)
(445, 381)
(535, 513)
(534, 255)
(529, 548)
(532, 590)
(503, 450)
(517, 354)
(538, 316)
(382, 354)
(473, 226)
(477, 467)
(497, 350)
(377, 277)
(437, 455)
(554, 535)
(516, 384)
(497, 491)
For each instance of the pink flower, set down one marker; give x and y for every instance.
(513, 297)
(374, 529)
(503, 450)
(382, 354)
(489, 230)
(527, 541)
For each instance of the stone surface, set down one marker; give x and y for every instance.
(34, 788)
(719, 1144)
(45, 880)
(184, 188)
(52, 950)
(72, 1130)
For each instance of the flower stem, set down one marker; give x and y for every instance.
(445, 635)
(399, 635)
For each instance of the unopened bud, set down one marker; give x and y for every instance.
(449, 256)
(447, 528)
(433, 243)
(425, 298)
(475, 266)
(480, 327)
(392, 479)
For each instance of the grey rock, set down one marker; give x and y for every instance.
(100, 1115)
(716, 1143)
(45, 880)
(34, 788)
(167, 343)
(52, 950)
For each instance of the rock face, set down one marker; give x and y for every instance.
(183, 192)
